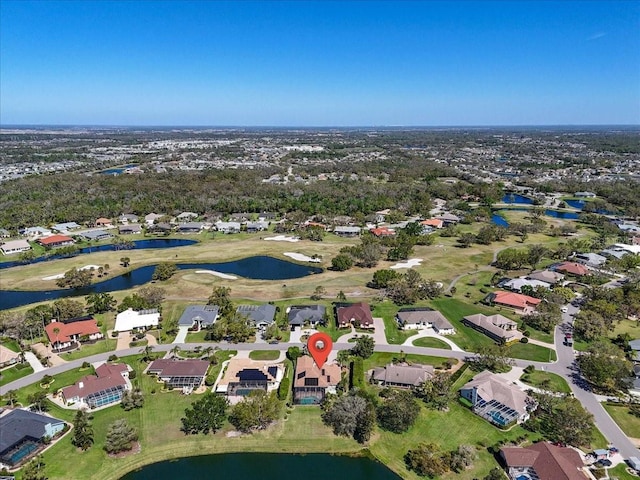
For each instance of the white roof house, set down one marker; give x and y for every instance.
(517, 283)
(15, 246)
(36, 232)
(629, 248)
(130, 320)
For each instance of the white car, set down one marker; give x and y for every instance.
(564, 309)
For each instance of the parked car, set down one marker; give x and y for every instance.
(603, 463)
(564, 309)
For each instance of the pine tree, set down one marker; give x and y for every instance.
(83, 431)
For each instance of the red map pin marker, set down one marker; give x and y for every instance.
(319, 345)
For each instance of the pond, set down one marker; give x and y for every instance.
(516, 198)
(266, 466)
(137, 244)
(499, 221)
(117, 170)
(548, 212)
(256, 268)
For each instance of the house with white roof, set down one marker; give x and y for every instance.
(15, 246)
(36, 232)
(65, 227)
(132, 320)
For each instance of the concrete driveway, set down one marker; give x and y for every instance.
(182, 334)
(429, 332)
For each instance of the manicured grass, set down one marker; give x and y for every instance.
(630, 424)
(540, 335)
(264, 354)
(387, 311)
(431, 342)
(465, 337)
(620, 472)
(11, 344)
(101, 346)
(547, 381)
(626, 326)
(379, 359)
(19, 370)
(196, 337)
(529, 351)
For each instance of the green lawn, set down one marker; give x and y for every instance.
(196, 337)
(630, 424)
(11, 344)
(465, 337)
(431, 342)
(264, 354)
(547, 381)
(540, 335)
(529, 351)
(620, 472)
(387, 311)
(380, 359)
(19, 370)
(101, 346)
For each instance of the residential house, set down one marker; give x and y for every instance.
(65, 227)
(312, 315)
(585, 195)
(516, 284)
(24, 434)
(573, 268)
(497, 327)
(35, 232)
(497, 400)
(433, 223)
(15, 246)
(261, 316)
(402, 375)
(590, 259)
(70, 333)
(104, 388)
(521, 304)
(543, 461)
(417, 318)
(383, 232)
(190, 227)
(240, 217)
(132, 320)
(548, 276)
(228, 227)
(199, 316)
(127, 218)
(244, 375)
(186, 216)
(356, 314)
(346, 231)
(56, 241)
(4, 233)
(96, 235)
(179, 373)
(254, 227)
(449, 219)
(8, 357)
(266, 216)
(160, 227)
(311, 384)
(635, 249)
(614, 252)
(129, 229)
(151, 218)
(104, 222)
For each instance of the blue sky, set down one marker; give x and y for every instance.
(324, 63)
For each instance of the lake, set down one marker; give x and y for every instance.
(137, 244)
(117, 170)
(499, 221)
(266, 466)
(515, 198)
(255, 268)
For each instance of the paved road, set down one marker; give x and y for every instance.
(564, 366)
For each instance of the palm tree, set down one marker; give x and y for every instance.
(174, 351)
(11, 396)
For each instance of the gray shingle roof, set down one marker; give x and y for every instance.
(205, 314)
(18, 424)
(313, 313)
(264, 313)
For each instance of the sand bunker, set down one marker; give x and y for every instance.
(412, 262)
(300, 257)
(61, 275)
(218, 274)
(283, 238)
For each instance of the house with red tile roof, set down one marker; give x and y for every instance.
(544, 461)
(522, 304)
(433, 222)
(104, 388)
(356, 314)
(573, 268)
(70, 333)
(56, 241)
(383, 232)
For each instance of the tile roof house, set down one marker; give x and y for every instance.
(522, 304)
(70, 333)
(547, 276)
(497, 400)
(132, 320)
(56, 241)
(311, 384)
(104, 388)
(244, 375)
(260, 315)
(7, 356)
(15, 246)
(573, 268)
(449, 218)
(179, 373)
(433, 222)
(201, 316)
(402, 375)
(356, 314)
(498, 327)
(298, 315)
(104, 222)
(424, 317)
(383, 232)
(24, 431)
(543, 461)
